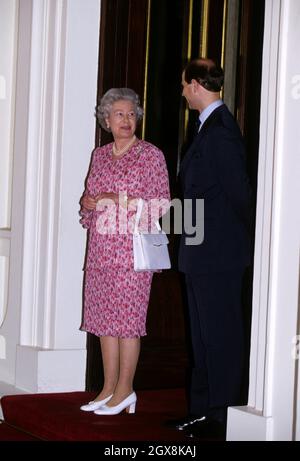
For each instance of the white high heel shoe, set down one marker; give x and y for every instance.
(94, 404)
(128, 403)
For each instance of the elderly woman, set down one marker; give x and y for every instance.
(116, 297)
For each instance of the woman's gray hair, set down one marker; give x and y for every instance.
(113, 95)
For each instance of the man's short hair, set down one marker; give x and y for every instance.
(206, 72)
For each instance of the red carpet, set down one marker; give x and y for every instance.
(57, 417)
(11, 434)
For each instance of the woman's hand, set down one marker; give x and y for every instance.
(108, 196)
(105, 199)
(88, 202)
(121, 198)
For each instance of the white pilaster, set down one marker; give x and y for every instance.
(44, 153)
(58, 102)
(271, 412)
(10, 325)
(65, 37)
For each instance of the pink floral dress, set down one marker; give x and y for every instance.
(116, 297)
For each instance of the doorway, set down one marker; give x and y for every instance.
(144, 45)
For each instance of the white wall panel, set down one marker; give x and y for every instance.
(8, 37)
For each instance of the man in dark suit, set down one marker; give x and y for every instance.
(214, 170)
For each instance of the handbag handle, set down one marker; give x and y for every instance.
(138, 217)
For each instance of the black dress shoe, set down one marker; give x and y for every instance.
(206, 429)
(184, 423)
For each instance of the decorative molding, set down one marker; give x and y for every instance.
(264, 206)
(274, 370)
(284, 289)
(8, 60)
(242, 424)
(43, 174)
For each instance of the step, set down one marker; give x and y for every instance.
(57, 417)
(11, 434)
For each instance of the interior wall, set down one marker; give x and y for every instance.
(54, 128)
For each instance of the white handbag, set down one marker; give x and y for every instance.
(150, 251)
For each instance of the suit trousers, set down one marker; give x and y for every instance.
(217, 334)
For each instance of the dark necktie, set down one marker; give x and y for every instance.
(197, 126)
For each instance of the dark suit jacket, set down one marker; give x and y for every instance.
(214, 169)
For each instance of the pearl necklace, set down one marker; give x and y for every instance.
(119, 152)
